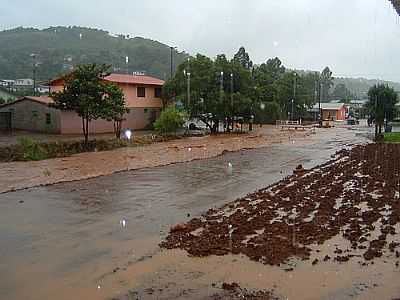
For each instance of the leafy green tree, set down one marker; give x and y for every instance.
(342, 93)
(170, 120)
(222, 89)
(2, 101)
(243, 58)
(267, 113)
(208, 100)
(326, 83)
(84, 92)
(285, 92)
(381, 105)
(114, 107)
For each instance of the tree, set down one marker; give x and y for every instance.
(326, 83)
(341, 92)
(268, 113)
(243, 58)
(84, 93)
(114, 106)
(2, 100)
(170, 120)
(381, 105)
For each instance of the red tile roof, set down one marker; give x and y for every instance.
(122, 78)
(42, 100)
(134, 79)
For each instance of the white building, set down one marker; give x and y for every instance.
(23, 83)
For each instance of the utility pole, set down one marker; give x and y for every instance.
(232, 113)
(319, 104)
(294, 95)
(376, 113)
(171, 48)
(221, 85)
(188, 74)
(33, 55)
(188, 90)
(315, 96)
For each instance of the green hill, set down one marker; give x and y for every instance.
(360, 86)
(59, 48)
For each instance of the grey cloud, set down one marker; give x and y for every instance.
(353, 37)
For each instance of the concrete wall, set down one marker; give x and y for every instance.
(143, 112)
(31, 116)
(137, 118)
(71, 123)
(131, 98)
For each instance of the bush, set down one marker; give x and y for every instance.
(31, 150)
(270, 113)
(170, 121)
(28, 149)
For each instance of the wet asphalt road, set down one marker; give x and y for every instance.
(70, 234)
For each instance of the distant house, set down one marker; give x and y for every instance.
(7, 83)
(142, 97)
(23, 83)
(42, 89)
(331, 111)
(31, 114)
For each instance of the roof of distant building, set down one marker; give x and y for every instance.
(124, 78)
(329, 106)
(134, 79)
(42, 100)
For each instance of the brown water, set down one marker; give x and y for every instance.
(66, 241)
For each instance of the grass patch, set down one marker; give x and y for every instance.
(28, 149)
(392, 137)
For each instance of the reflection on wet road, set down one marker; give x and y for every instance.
(63, 240)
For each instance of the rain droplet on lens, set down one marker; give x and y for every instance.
(229, 169)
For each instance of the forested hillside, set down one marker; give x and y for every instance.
(57, 49)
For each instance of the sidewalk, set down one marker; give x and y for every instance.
(21, 175)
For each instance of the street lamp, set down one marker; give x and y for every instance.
(188, 89)
(294, 94)
(232, 113)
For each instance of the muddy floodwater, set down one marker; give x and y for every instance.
(98, 238)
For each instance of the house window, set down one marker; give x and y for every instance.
(157, 92)
(141, 92)
(48, 119)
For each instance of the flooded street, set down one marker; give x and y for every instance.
(98, 238)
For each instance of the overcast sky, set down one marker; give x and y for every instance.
(359, 38)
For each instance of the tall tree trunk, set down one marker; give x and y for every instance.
(87, 132)
(117, 128)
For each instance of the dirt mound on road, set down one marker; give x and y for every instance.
(354, 196)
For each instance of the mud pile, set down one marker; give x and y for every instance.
(233, 291)
(355, 196)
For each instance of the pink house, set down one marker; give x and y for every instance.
(142, 97)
